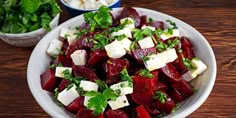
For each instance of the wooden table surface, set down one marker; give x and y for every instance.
(216, 20)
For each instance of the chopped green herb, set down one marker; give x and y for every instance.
(146, 73)
(160, 96)
(147, 32)
(161, 46)
(180, 50)
(146, 58)
(66, 35)
(161, 115)
(159, 32)
(75, 80)
(133, 45)
(195, 90)
(174, 109)
(53, 66)
(120, 37)
(60, 51)
(149, 20)
(173, 43)
(102, 85)
(80, 33)
(196, 58)
(187, 63)
(100, 41)
(118, 91)
(125, 75)
(172, 23)
(69, 86)
(138, 35)
(56, 92)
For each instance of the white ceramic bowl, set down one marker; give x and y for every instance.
(39, 61)
(28, 39)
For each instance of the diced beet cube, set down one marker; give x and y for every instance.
(86, 113)
(48, 80)
(85, 41)
(96, 57)
(116, 114)
(143, 20)
(165, 107)
(141, 112)
(130, 12)
(160, 86)
(85, 72)
(185, 42)
(151, 110)
(179, 65)
(184, 88)
(188, 52)
(63, 84)
(64, 60)
(113, 67)
(172, 75)
(76, 105)
(138, 54)
(175, 95)
(157, 24)
(71, 50)
(65, 45)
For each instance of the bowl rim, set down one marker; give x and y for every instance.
(182, 114)
(85, 10)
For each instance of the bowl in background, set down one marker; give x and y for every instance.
(39, 62)
(30, 38)
(77, 11)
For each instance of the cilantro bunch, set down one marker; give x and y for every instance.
(20, 16)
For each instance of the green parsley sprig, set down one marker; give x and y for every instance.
(160, 96)
(73, 80)
(146, 73)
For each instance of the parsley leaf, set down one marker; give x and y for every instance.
(119, 37)
(125, 76)
(102, 85)
(160, 96)
(75, 80)
(100, 41)
(30, 5)
(146, 58)
(172, 44)
(187, 63)
(161, 46)
(146, 73)
(172, 23)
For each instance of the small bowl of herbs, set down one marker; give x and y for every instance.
(25, 22)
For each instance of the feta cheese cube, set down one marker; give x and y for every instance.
(126, 43)
(130, 23)
(120, 102)
(176, 33)
(79, 57)
(71, 39)
(60, 70)
(76, 3)
(68, 96)
(86, 99)
(99, 3)
(149, 27)
(188, 76)
(68, 34)
(115, 49)
(146, 43)
(54, 47)
(124, 31)
(200, 67)
(88, 85)
(170, 55)
(89, 4)
(154, 62)
(123, 87)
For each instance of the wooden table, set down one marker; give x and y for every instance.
(216, 20)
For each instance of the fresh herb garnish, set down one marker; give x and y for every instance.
(53, 66)
(119, 37)
(187, 63)
(139, 34)
(80, 33)
(160, 96)
(101, 84)
(125, 77)
(146, 73)
(146, 58)
(161, 115)
(161, 46)
(100, 41)
(159, 32)
(99, 19)
(172, 23)
(172, 44)
(75, 80)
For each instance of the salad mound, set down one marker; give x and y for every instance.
(129, 66)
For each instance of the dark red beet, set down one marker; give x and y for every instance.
(157, 24)
(64, 60)
(184, 88)
(141, 112)
(86, 113)
(76, 105)
(85, 72)
(130, 12)
(188, 52)
(63, 84)
(85, 41)
(151, 110)
(175, 95)
(97, 56)
(113, 68)
(116, 114)
(185, 42)
(138, 54)
(48, 80)
(143, 20)
(160, 86)
(179, 65)
(166, 107)
(65, 45)
(171, 73)
(84, 26)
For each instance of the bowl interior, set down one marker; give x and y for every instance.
(39, 61)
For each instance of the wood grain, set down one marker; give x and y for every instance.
(216, 20)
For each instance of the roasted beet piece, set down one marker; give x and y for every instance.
(172, 75)
(96, 57)
(143, 20)
(184, 88)
(157, 24)
(116, 114)
(160, 86)
(130, 12)
(188, 52)
(86, 113)
(165, 107)
(48, 80)
(85, 41)
(76, 105)
(185, 42)
(141, 112)
(85, 72)
(65, 45)
(113, 67)
(179, 65)
(63, 84)
(151, 110)
(138, 54)
(64, 60)
(175, 95)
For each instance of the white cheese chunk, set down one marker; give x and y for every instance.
(110, 1)
(99, 3)
(124, 88)
(170, 55)
(89, 4)
(76, 3)
(146, 43)
(54, 47)
(79, 57)
(60, 70)
(68, 34)
(165, 36)
(88, 85)
(199, 66)
(188, 76)
(115, 49)
(124, 31)
(71, 39)
(126, 43)
(130, 23)
(120, 102)
(154, 62)
(68, 96)
(149, 27)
